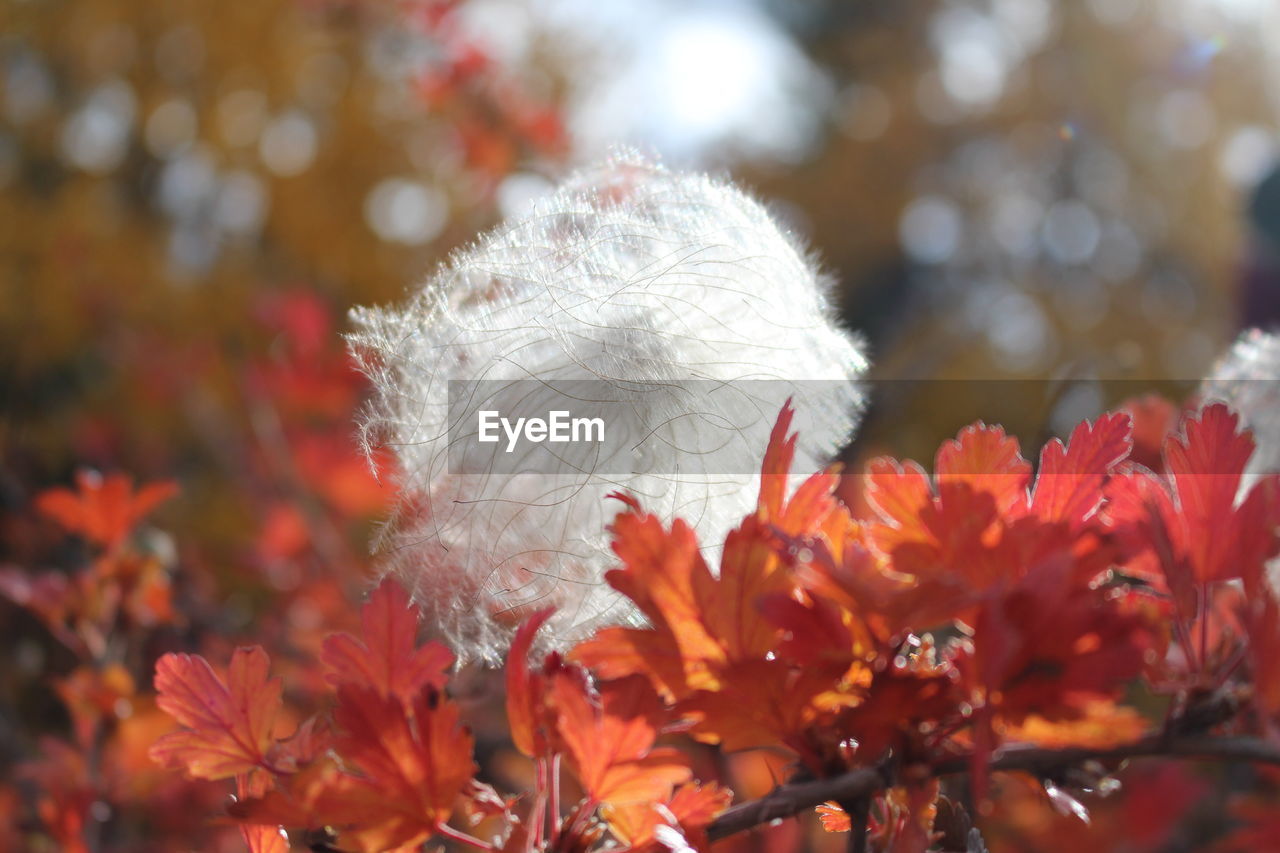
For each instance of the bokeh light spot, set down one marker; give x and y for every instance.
(289, 143)
(404, 211)
(96, 137)
(171, 127)
(930, 229)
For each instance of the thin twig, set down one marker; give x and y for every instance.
(790, 800)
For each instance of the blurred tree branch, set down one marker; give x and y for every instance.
(792, 799)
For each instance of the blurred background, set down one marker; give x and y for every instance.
(1069, 200)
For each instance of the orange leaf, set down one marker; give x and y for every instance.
(980, 530)
(1102, 726)
(700, 622)
(764, 703)
(524, 689)
(898, 492)
(664, 574)
(260, 837)
(103, 510)
(777, 465)
(986, 460)
(834, 818)
(749, 571)
(687, 814)
(387, 659)
(609, 746)
(415, 759)
(299, 801)
(228, 725)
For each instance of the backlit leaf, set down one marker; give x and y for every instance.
(227, 726)
(103, 510)
(387, 657)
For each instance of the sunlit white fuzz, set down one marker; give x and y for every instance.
(632, 274)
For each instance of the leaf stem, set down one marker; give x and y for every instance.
(538, 815)
(554, 807)
(461, 837)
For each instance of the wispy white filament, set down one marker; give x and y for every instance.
(632, 274)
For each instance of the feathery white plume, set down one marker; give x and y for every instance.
(630, 274)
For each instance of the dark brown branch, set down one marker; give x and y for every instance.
(859, 810)
(790, 800)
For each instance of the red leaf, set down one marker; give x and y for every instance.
(1048, 646)
(1206, 466)
(898, 492)
(1190, 526)
(227, 725)
(834, 818)
(1154, 418)
(956, 536)
(695, 806)
(388, 658)
(901, 699)
(65, 792)
(414, 759)
(766, 703)
(664, 574)
(986, 460)
(777, 464)
(1262, 621)
(260, 837)
(649, 826)
(749, 572)
(524, 689)
(1069, 483)
(609, 746)
(103, 510)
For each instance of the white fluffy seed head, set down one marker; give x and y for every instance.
(630, 274)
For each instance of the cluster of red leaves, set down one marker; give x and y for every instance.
(975, 608)
(123, 591)
(393, 764)
(111, 593)
(497, 119)
(972, 609)
(389, 774)
(821, 615)
(122, 586)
